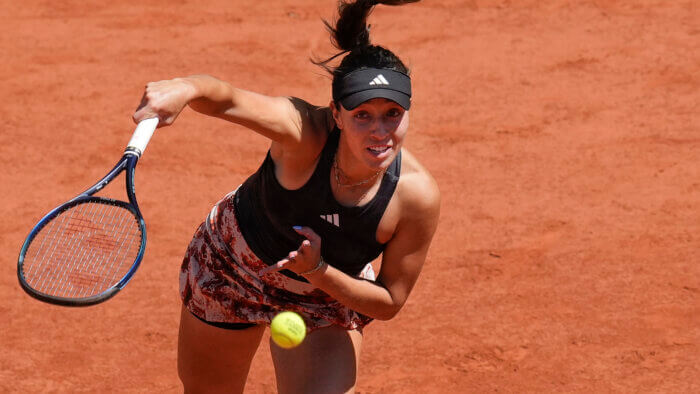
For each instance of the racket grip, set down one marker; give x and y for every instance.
(143, 133)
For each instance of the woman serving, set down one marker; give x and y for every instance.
(335, 191)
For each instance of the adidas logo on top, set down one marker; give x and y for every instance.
(333, 219)
(379, 80)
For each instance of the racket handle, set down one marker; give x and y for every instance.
(143, 133)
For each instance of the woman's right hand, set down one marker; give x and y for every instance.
(165, 100)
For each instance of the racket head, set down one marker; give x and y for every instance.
(82, 252)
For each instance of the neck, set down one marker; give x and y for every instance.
(352, 178)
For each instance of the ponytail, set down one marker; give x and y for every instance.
(351, 30)
(351, 33)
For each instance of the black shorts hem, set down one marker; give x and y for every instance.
(224, 325)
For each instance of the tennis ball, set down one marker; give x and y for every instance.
(287, 329)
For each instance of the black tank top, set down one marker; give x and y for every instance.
(267, 211)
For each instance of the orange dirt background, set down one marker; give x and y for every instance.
(563, 135)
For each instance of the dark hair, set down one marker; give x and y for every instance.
(351, 36)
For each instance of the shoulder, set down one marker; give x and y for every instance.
(295, 158)
(415, 212)
(318, 117)
(418, 194)
(314, 124)
(415, 208)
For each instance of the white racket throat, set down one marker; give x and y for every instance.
(142, 135)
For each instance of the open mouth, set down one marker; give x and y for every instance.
(379, 148)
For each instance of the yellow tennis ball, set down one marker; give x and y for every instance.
(287, 329)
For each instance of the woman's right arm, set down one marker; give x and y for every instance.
(283, 120)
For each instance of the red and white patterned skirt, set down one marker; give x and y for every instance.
(219, 281)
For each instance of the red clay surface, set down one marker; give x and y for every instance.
(564, 136)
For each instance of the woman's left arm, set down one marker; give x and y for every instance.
(405, 254)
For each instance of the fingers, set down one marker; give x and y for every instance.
(164, 100)
(302, 259)
(145, 109)
(308, 233)
(309, 251)
(311, 246)
(278, 266)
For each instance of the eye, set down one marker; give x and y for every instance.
(361, 115)
(394, 113)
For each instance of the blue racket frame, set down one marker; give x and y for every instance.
(126, 163)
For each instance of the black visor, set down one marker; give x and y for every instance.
(365, 84)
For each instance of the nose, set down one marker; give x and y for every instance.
(380, 129)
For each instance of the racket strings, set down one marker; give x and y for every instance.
(84, 251)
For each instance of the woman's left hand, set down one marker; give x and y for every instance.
(303, 259)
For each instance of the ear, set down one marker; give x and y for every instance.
(336, 114)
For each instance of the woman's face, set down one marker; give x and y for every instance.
(373, 132)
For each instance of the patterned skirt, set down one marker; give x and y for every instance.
(219, 281)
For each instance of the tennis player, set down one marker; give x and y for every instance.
(335, 191)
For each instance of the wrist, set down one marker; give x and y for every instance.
(315, 269)
(191, 87)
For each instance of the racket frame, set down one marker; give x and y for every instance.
(127, 163)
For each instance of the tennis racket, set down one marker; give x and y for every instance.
(87, 249)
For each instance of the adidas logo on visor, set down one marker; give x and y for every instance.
(379, 80)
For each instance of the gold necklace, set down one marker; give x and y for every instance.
(337, 179)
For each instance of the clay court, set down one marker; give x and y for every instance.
(564, 136)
